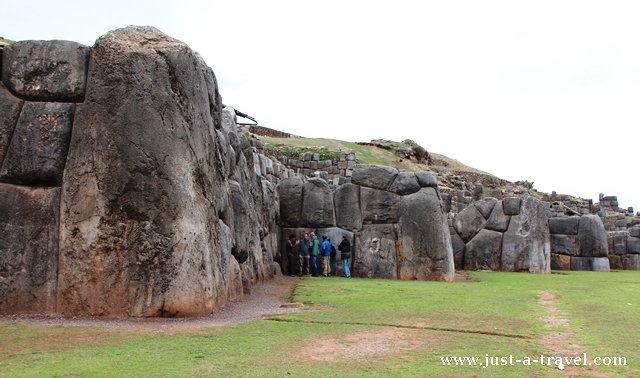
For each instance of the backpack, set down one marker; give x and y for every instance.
(333, 251)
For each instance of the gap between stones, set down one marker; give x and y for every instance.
(487, 333)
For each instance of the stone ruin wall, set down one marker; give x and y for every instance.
(123, 191)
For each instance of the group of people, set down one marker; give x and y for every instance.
(309, 248)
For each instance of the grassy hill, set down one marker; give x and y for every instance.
(367, 154)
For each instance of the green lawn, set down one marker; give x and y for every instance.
(359, 327)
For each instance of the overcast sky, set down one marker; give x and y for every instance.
(547, 91)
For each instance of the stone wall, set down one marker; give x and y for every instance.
(510, 235)
(395, 221)
(126, 189)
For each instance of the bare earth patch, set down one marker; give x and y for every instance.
(557, 341)
(361, 345)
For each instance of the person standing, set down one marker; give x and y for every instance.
(314, 251)
(345, 255)
(326, 255)
(292, 243)
(303, 252)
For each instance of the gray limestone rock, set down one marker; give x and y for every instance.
(563, 244)
(405, 183)
(10, 107)
(290, 195)
(373, 176)
(317, 204)
(144, 187)
(631, 262)
(375, 252)
(498, 221)
(468, 222)
(427, 179)
(346, 199)
(592, 238)
(335, 234)
(599, 264)
(560, 262)
(46, 70)
(564, 225)
(633, 245)
(526, 245)
(379, 206)
(619, 244)
(485, 206)
(580, 263)
(29, 228)
(457, 246)
(427, 253)
(483, 251)
(38, 149)
(511, 205)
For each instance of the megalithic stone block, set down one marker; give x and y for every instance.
(10, 107)
(38, 149)
(46, 70)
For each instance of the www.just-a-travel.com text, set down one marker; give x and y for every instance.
(487, 361)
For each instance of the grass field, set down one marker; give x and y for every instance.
(362, 327)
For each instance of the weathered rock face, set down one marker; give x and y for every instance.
(426, 252)
(427, 179)
(483, 251)
(592, 238)
(564, 225)
(498, 221)
(563, 244)
(38, 149)
(10, 107)
(405, 183)
(379, 206)
(46, 70)
(376, 255)
(374, 176)
(149, 224)
(468, 222)
(485, 206)
(560, 262)
(526, 244)
(29, 231)
(317, 204)
(511, 205)
(290, 194)
(458, 251)
(346, 199)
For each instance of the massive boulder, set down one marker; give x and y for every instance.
(405, 183)
(29, 228)
(374, 176)
(290, 194)
(498, 220)
(526, 245)
(379, 206)
(317, 204)
(46, 70)
(426, 252)
(10, 107)
(468, 222)
(483, 251)
(458, 251)
(38, 149)
(564, 225)
(145, 188)
(485, 206)
(592, 238)
(346, 199)
(375, 252)
(563, 244)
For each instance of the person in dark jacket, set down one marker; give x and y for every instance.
(345, 256)
(303, 251)
(292, 243)
(314, 251)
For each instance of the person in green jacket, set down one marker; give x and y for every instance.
(314, 251)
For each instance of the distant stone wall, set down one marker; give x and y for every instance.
(394, 220)
(265, 131)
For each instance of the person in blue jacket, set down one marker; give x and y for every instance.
(326, 255)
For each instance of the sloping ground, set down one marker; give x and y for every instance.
(369, 154)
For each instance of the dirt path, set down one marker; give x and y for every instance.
(266, 299)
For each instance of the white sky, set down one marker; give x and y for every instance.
(546, 91)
